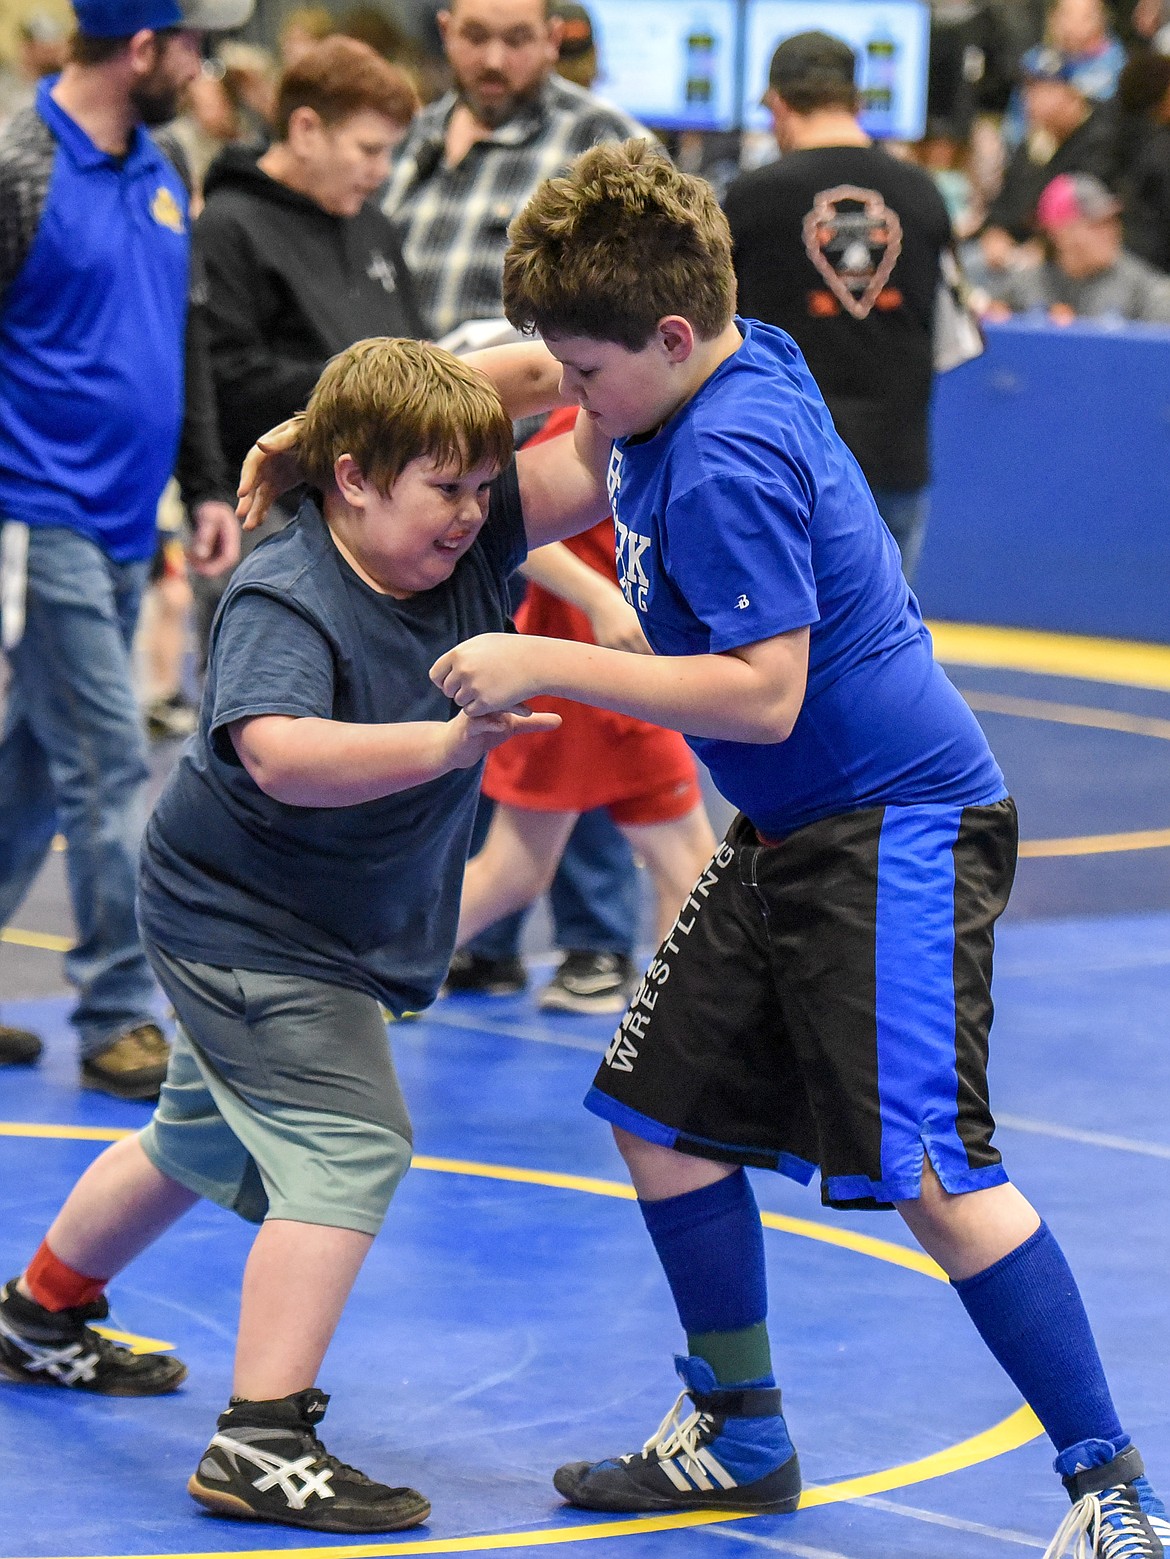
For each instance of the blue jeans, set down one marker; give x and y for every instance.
(905, 512)
(594, 895)
(73, 758)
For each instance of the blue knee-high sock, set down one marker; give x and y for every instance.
(1028, 1310)
(711, 1246)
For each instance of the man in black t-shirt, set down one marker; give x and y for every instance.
(839, 243)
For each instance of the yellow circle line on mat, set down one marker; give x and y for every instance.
(1008, 1435)
(1124, 662)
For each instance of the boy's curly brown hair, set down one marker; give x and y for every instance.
(387, 402)
(621, 241)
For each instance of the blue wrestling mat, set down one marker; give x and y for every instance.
(512, 1315)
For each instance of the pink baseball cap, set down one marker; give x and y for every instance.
(1075, 197)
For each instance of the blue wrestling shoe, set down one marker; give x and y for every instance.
(732, 1452)
(1115, 1514)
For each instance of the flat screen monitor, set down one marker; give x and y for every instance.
(670, 63)
(891, 39)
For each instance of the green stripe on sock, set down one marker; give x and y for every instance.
(734, 1356)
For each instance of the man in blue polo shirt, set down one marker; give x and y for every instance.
(94, 283)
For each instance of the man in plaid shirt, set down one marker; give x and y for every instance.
(472, 159)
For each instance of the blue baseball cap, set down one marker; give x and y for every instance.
(123, 18)
(1044, 63)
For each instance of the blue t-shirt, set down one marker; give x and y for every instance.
(744, 517)
(92, 341)
(363, 896)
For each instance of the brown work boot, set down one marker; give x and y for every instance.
(18, 1047)
(132, 1066)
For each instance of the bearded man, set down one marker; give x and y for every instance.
(472, 159)
(95, 278)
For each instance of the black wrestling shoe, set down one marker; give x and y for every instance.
(472, 975)
(57, 1348)
(267, 1464)
(732, 1452)
(1115, 1513)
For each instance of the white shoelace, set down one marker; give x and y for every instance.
(1090, 1531)
(676, 1446)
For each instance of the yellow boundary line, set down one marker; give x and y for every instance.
(1124, 662)
(1016, 1430)
(1009, 1435)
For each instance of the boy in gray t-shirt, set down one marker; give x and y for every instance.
(304, 865)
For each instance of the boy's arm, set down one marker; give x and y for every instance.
(613, 620)
(526, 375)
(751, 694)
(562, 484)
(310, 762)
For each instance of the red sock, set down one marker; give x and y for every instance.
(56, 1286)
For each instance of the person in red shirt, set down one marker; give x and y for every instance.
(644, 775)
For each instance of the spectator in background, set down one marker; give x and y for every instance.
(473, 158)
(839, 244)
(1150, 20)
(1080, 30)
(470, 162)
(1145, 183)
(577, 51)
(91, 407)
(1067, 133)
(43, 47)
(301, 29)
(972, 65)
(386, 35)
(230, 103)
(299, 260)
(1088, 274)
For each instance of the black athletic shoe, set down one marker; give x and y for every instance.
(267, 1464)
(18, 1047)
(471, 975)
(732, 1452)
(57, 1348)
(590, 982)
(1115, 1513)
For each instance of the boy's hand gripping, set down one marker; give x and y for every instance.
(489, 673)
(472, 737)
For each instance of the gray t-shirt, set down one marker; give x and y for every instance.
(363, 896)
(1130, 289)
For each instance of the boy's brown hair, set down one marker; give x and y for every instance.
(339, 77)
(618, 243)
(387, 402)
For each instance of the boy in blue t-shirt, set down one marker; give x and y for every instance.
(302, 866)
(824, 998)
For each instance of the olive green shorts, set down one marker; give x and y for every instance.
(281, 1099)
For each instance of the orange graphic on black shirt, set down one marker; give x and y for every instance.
(854, 240)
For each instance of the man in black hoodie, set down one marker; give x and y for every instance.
(300, 261)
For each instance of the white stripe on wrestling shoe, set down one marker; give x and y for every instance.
(275, 1470)
(676, 1446)
(69, 1365)
(1110, 1526)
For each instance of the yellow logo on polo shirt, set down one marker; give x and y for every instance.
(164, 208)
